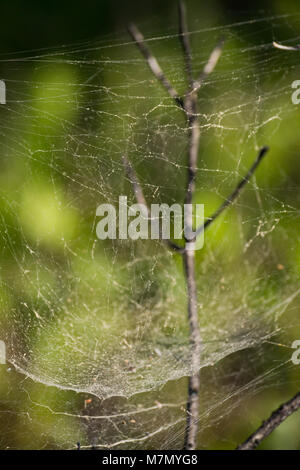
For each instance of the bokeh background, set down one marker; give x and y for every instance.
(96, 332)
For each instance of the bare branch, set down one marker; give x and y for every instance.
(286, 48)
(211, 64)
(192, 407)
(235, 194)
(138, 191)
(152, 62)
(190, 107)
(135, 183)
(193, 150)
(268, 426)
(185, 41)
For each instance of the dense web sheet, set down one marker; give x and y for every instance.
(108, 319)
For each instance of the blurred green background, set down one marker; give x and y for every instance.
(96, 332)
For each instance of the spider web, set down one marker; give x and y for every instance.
(96, 331)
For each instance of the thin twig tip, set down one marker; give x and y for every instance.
(263, 152)
(286, 48)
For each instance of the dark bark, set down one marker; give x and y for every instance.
(268, 426)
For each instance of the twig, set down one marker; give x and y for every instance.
(189, 106)
(286, 48)
(152, 62)
(211, 64)
(194, 138)
(135, 183)
(189, 255)
(192, 408)
(137, 188)
(195, 340)
(235, 194)
(189, 264)
(185, 41)
(268, 426)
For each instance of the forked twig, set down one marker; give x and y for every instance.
(286, 48)
(211, 64)
(268, 426)
(189, 106)
(185, 41)
(235, 194)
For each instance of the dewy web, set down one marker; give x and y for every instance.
(107, 319)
